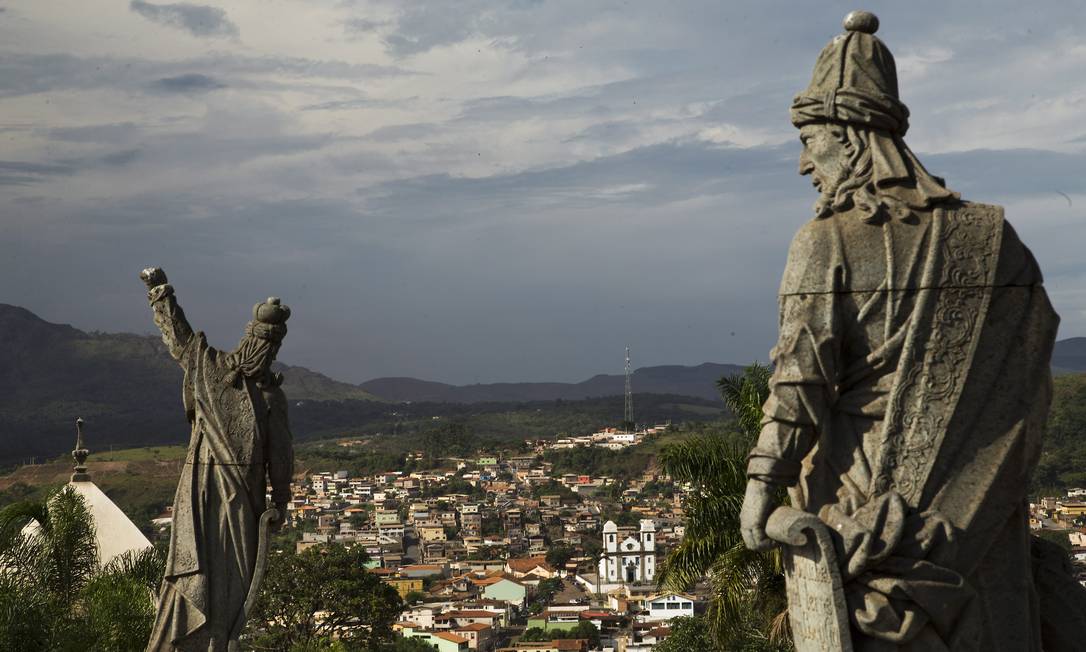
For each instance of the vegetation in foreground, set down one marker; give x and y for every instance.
(749, 606)
(321, 599)
(748, 610)
(54, 594)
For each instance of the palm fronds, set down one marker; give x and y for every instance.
(744, 394)
(145, 566)
(68, 542)
(53, 593)
(749, 607)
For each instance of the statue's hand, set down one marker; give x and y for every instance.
(758, 503)
(277, 524)
(153, 277)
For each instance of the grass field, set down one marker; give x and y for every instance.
(150, 453)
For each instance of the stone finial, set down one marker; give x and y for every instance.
(862, 21)
(80, 455)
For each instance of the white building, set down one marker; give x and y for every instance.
(631, 560)
(668, 606)
(115, 534)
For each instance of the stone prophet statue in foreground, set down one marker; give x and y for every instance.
(909, 395)
(240, 441)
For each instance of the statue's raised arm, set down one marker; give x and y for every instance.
(168, 315)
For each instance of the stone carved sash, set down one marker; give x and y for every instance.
(816, 599)
(950, 310)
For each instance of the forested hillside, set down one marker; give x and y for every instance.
(129, 391)
(125, 385)
(1063, 461)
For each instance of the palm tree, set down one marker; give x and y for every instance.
(43, 569)
(749, 607)
(61, 553)
(117, 604)
(53, 593)
(744, 394)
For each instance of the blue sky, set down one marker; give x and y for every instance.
(481, 191)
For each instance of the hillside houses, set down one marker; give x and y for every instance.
(469, 551)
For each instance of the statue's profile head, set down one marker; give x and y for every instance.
(263, 336)
(851, 124)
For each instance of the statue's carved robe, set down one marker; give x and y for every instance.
(239, 434)
(909, 395)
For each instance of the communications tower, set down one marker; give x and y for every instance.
(628, 420)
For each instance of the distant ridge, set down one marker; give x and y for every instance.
(699, 381)
(129, 389)
(126, 386)
(1069, 356)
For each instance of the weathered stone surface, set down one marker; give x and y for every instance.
(909, 393)
(240, 441)
(816, 597)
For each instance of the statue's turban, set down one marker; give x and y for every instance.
(854, 82)
(269, 320)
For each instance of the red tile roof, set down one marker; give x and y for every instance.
(470, 613)
(527, 564)
(452, 638)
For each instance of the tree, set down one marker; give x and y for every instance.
(62, 553)
(118, 611)
(557, 556)
(554, 488)
(749, 606)
(535, 634)
(744, 394)
(54, 595)
(403, 644)
(448, 439)
(323, 593)
(583, 630)
(687, 634)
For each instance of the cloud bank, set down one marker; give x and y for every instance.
(483, 191)
(198, 20)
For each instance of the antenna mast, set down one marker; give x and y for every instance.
(628, 422)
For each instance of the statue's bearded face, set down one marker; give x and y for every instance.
(825, 157)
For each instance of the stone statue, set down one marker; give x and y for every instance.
(240, 441)
(910, 389)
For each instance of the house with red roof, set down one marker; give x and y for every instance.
(530, 568)
(477, 634)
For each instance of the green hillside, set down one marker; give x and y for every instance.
(127, 386)
(1063, 461)
(142, 480)
(381, 436)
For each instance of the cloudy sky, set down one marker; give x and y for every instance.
(479, 191)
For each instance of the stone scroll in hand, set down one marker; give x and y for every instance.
(816, 597)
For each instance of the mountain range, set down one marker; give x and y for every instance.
(699, 381)
(128, 385)
(1069, 356)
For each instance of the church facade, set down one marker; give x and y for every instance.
(628, 558)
